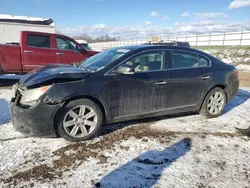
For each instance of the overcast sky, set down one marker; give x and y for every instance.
(136, 18)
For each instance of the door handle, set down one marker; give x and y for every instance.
(205, 77)
(59, 53)
(28, 51)
(161, 83)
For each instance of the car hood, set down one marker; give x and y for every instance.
(53, 73)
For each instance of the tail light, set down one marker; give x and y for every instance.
(235, 72)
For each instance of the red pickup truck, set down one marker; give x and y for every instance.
(37, 49)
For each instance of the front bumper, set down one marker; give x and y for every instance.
(37, 120)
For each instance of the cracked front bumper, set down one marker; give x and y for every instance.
(37, 120)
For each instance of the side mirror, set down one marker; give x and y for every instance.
(81, 50)
(125, 69)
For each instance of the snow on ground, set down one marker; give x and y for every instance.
(237, 56)
(16, 154)
(174, 151)
(244, 68)
(5, 95)
(229, 54)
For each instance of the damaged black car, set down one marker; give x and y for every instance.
(120, 84)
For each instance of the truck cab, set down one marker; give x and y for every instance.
(37, 49)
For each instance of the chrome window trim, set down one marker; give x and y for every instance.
(109, 73)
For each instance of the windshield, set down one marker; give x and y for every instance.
(101, 60)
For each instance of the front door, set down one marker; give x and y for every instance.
(189, 77)
(142, 92)
(67, 51)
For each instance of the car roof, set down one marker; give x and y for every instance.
(139, 48)
(147, 47)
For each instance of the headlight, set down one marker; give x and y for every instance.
(14, 90)
(30, 96)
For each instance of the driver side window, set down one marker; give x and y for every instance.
(65, 44)
(150, 61)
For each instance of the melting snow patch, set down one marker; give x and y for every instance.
(243, 67)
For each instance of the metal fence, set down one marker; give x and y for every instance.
(211, 39)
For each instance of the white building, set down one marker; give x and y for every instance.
(11, 26)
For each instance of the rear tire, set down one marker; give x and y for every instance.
(79, 120)
(214, 103)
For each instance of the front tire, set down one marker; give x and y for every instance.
(79, 120)
(214, 103)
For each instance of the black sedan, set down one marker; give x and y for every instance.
(121, 84)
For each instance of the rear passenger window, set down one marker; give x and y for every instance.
(182, 59)
(40, 41)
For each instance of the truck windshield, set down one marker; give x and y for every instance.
(101, 60)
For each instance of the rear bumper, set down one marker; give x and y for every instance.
(232, 89)
(37, 120)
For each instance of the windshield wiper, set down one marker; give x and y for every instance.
(84, 68)
(76, 64)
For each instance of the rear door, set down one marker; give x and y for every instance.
(67, 51)
(189, 78)
(36, 51)
(142, 92)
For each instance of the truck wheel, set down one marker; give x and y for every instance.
(214, 103)
(79, 120)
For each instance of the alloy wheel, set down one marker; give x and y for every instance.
(216, 103)
(80, 121)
